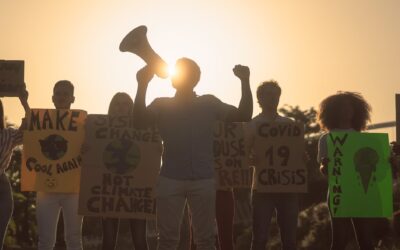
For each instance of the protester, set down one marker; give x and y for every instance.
(48, 204)
(186, 123)
(345, 112)
(286, 205)
(122, 105)
(9, 139)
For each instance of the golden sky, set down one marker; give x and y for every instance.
(313, 48)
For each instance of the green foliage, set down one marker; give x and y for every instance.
(22, 228)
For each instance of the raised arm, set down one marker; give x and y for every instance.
(245, 110)
(23, 97)
(143, 118)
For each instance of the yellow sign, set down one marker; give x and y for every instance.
(121, 168)
(51, 157)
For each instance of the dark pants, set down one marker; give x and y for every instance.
(287, 209)
(110, 233)
(343, 228)
(6, 206)
(225, 211)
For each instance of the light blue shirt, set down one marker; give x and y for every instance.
(186, 128)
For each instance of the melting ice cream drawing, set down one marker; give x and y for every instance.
(365, 160)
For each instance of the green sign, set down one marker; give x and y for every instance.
(360, 177)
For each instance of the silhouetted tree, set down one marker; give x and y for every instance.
(22, 228)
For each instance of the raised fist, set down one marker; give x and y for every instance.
(242, 72)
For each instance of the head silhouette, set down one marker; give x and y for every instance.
(121, 104)
(268, 94)
(342, 107)
(63, 94)
(187, 74)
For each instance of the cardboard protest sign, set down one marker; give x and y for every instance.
(120, 168)
(51, 156)
(278, 158)
(360, 177)
(11, 77)
(230, 161)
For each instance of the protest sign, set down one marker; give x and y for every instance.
(230, 161)
(120, 168)
(51, 157)
(278, 158)
(11, 77)
(360, 178)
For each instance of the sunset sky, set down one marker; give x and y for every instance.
(313, 48)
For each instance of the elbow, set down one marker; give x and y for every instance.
(246, 116)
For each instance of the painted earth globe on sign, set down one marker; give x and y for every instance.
(121, 156)
(54, 147)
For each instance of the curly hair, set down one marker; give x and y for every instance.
(330, 110)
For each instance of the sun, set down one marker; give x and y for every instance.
(171, 70)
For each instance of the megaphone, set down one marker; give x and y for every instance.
(136, 42)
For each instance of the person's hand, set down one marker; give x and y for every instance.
(144, 75)
(242, 72)
(324, 166)
(395, 159)
(23, 97)
(395, 148)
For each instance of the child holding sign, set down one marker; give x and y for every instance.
(122, 105)
(346, 112)
(9, 139)
(48, 204)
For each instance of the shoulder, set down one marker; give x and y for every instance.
(209, 99)
(10, 131)
(255, 119)
(159, 102)
(323, 138)
(284, 119)
(213, 103)
(12, 135)
(251, 126)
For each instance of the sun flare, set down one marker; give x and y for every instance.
(171, 70)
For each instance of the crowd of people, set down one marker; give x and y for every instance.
(185, 123)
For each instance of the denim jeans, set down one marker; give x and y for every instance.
(110, 233)
(48, 207)
(6, 208)
(286, 206)
(171, 196)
